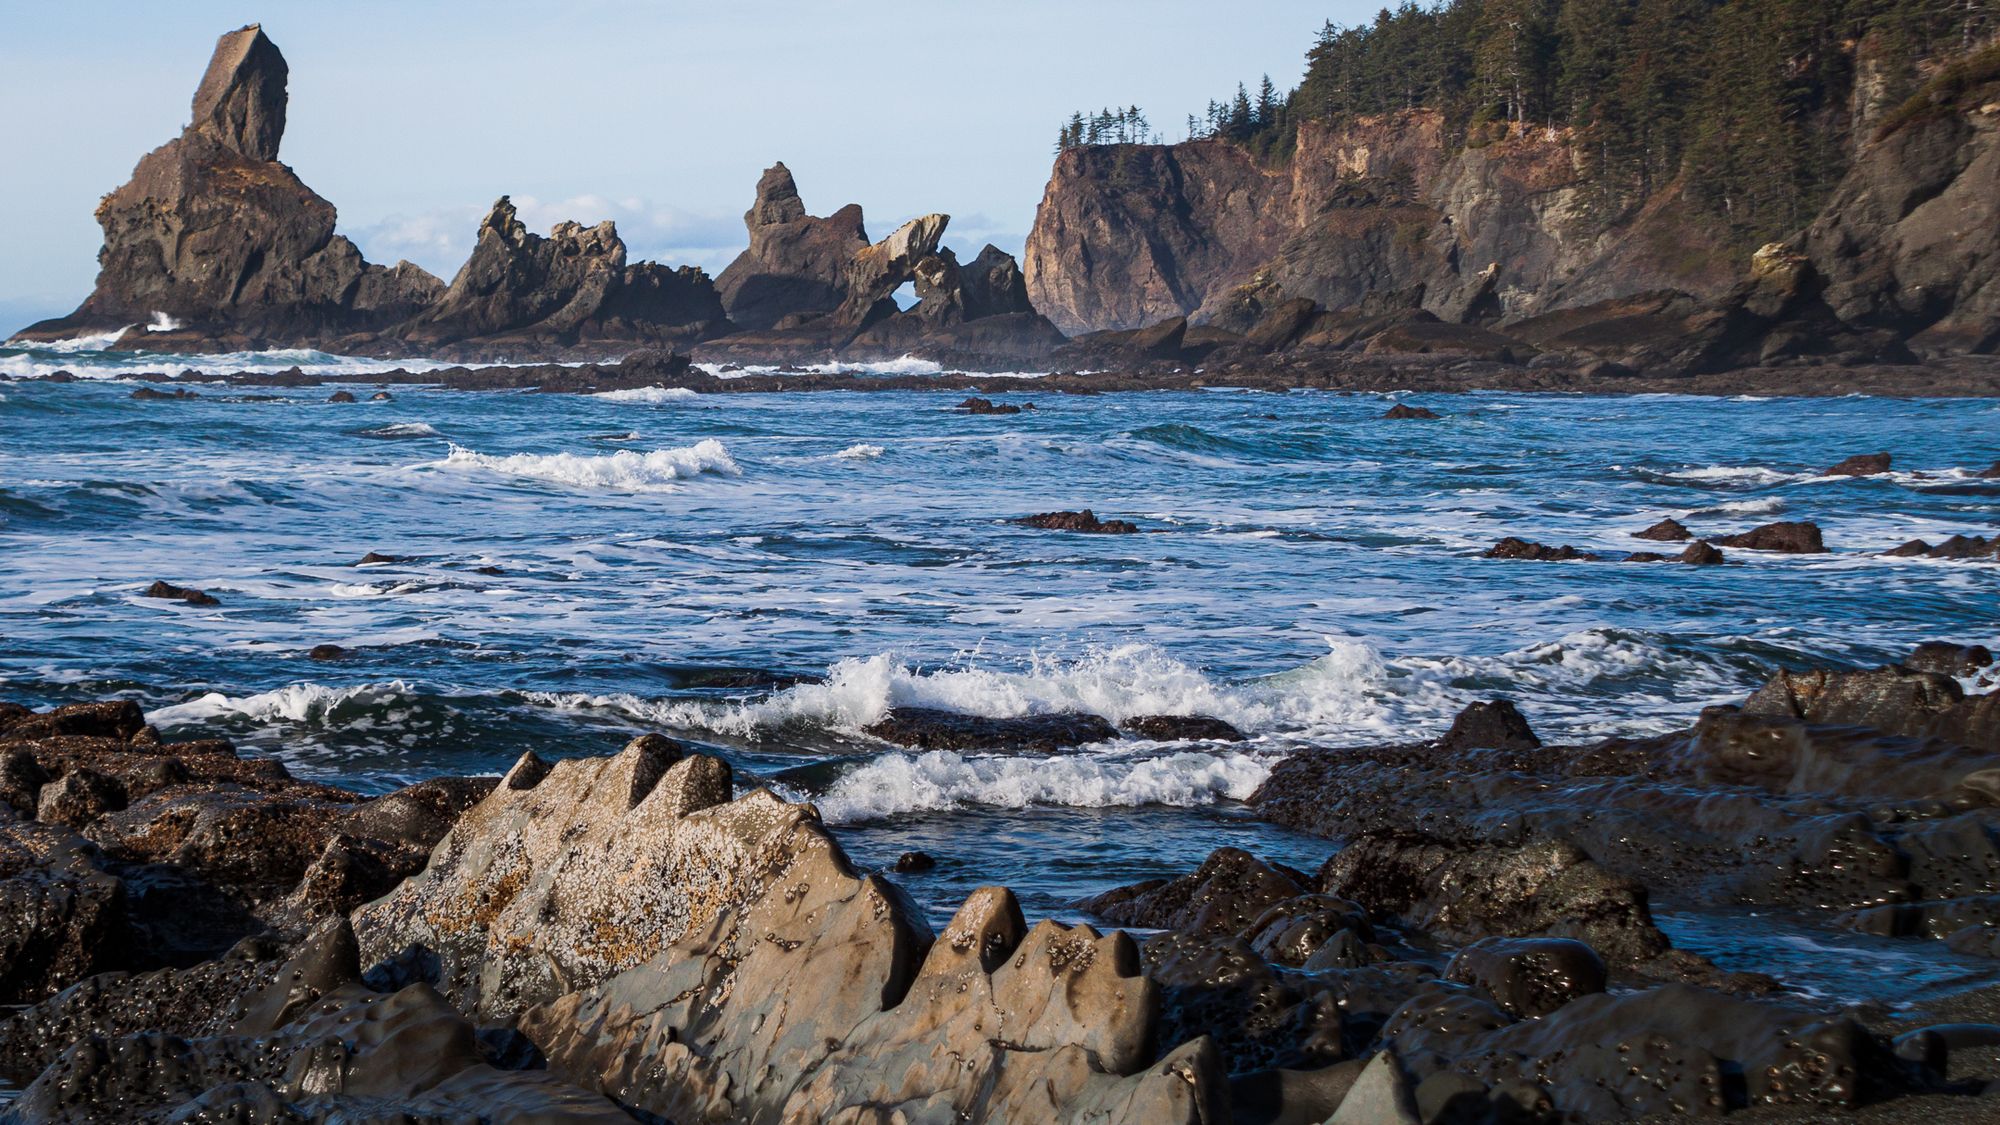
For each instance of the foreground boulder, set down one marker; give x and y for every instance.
(519, 904)
(352, 1055)
(629, 912)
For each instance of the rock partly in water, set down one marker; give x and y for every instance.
(167, 591)
(1513, 548)
(1085, 521)
(1181, 728)
(521, 289)
(928, 728)
(1405, 412)
(796, 265)
(1862, 465)
(1668, 530)
(1791, 537)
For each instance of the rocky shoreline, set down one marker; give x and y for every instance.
(195, 935)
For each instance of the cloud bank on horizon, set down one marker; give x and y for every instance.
(658, 115)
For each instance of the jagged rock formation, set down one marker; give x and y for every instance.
(627, 910)
(810, 287)
(519, 288)
(214, 233)
(796, 265)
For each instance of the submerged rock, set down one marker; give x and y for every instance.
(977, 405)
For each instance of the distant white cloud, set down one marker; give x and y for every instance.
(440, 240)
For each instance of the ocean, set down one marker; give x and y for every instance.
(764, 575)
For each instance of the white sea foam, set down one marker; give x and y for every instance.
(901, 783)
(1738, 476)
(655, 395)
(1345, 689)
(161, 322)
(860, 452)
(623, 471)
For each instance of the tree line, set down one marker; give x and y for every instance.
(1753, 97)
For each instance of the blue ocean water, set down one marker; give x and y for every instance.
(766, 574)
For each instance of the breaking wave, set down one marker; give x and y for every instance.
(382, 704)
(623, 471)
(902, 783)
(860, 452)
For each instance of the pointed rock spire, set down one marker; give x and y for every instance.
(241, 101)
(777, 199)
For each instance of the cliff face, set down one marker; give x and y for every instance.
(1911, 238)
(215, 233)
(1131, 235)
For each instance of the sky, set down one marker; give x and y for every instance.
(413, 117)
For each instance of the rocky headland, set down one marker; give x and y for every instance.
(192, 934)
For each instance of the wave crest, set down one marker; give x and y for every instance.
(623, 471)
(899, 784)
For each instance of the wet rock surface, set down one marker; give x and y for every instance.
(129, 853)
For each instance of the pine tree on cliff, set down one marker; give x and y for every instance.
(1515, 57)
(1266, 111)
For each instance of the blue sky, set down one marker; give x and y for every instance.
(413, 117)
